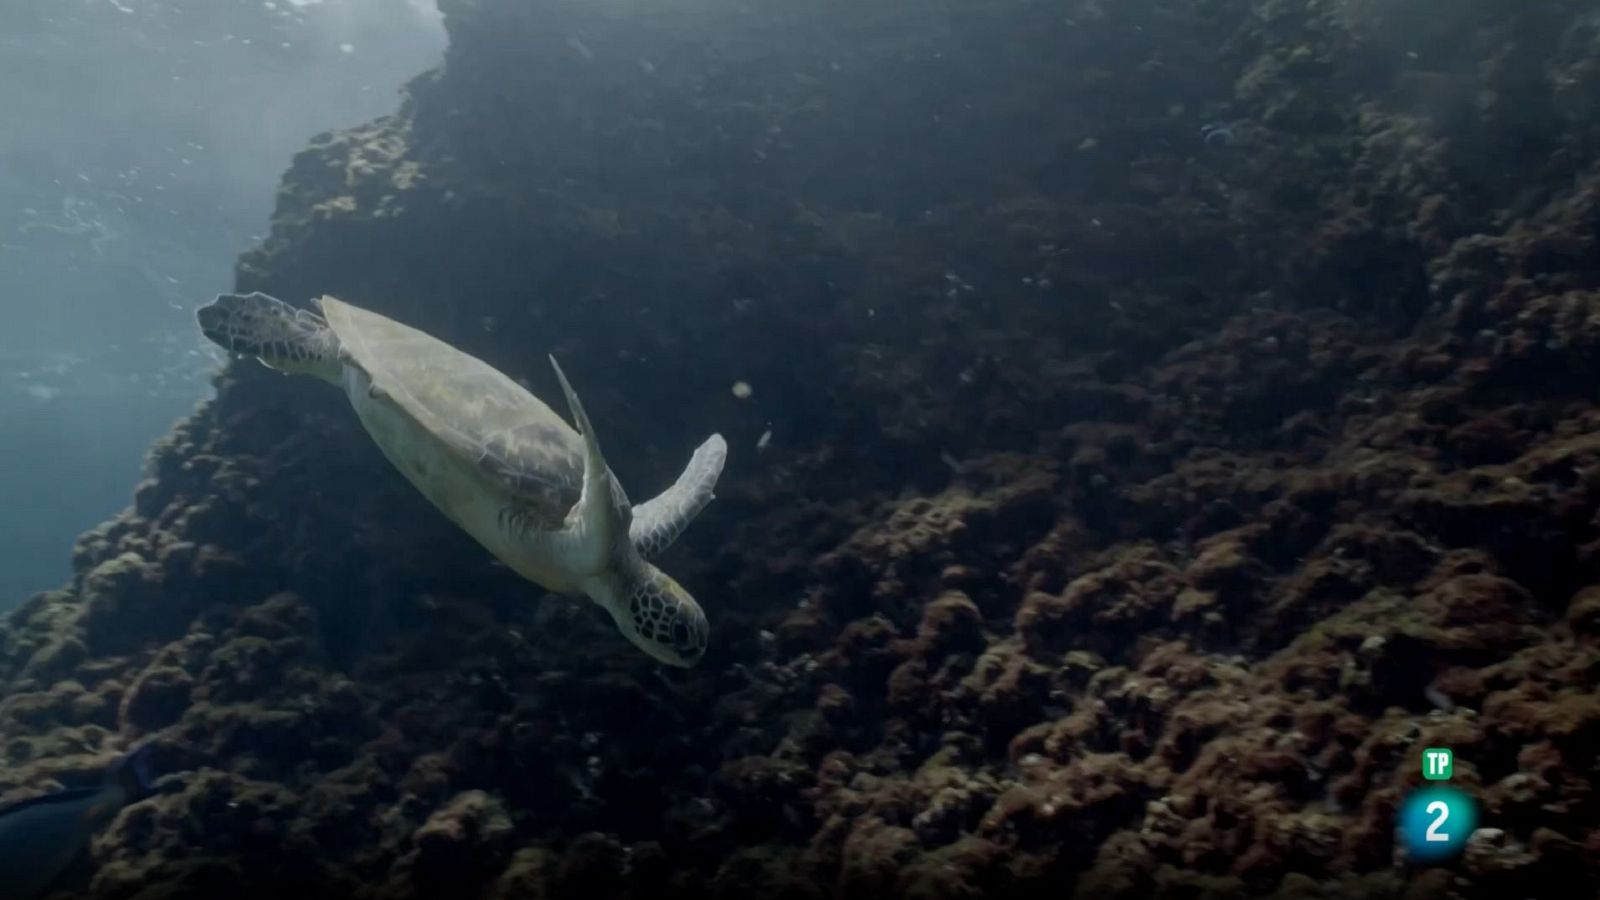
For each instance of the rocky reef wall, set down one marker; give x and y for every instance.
(1176, 415)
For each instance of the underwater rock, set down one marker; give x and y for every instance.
(125, 598)
(461, 845)
(157, 698)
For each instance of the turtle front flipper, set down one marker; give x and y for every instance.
(657, 523)
(281, 336)
(601, 516)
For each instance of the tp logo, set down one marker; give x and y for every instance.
(1436, 821)
(1436, 763)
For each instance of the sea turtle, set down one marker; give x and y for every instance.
(494, 459)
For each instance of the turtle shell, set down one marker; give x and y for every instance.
(482, 416)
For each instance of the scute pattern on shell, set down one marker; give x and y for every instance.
(481, 414)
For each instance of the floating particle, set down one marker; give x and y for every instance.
(1217, 133)
(951, 461)
(1439, 698)
(581, 48)
(764, 440)
(347, 48)
(742, 390)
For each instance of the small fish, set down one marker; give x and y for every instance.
(41, 837)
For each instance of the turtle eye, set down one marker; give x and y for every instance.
(688, 635)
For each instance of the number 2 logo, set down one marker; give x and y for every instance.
(1442, 810)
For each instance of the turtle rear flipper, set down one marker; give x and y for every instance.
(658, 522)
(281, 336)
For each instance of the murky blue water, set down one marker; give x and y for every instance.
(143, 145)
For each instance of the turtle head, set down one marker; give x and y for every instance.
(654, 612)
